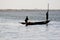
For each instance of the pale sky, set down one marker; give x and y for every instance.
(29, 4)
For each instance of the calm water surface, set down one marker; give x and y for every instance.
(11, 29)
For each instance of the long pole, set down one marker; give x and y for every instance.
(47, 13)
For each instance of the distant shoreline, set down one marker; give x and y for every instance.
(25, 9)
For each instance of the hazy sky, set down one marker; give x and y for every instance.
(29, 4)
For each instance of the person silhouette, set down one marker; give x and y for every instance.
(26, 20)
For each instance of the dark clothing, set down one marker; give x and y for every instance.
(26, 20)
(47, 16)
